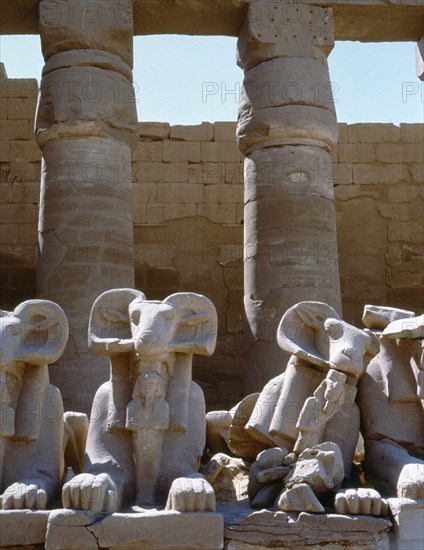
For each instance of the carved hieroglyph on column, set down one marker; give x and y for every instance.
(286, 129)
(86, 126)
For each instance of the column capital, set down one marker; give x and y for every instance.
(87, 24)
(86, 87)
(277, 28)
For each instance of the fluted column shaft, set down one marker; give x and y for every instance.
(86, 127)
(286, 129)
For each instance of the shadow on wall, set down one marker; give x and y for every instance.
(17, 281)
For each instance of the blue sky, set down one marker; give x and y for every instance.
(187, 80)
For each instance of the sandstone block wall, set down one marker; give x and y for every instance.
(188, 220)
(20, 161)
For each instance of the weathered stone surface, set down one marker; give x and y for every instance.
(361, 501)
(408, 517)
(287, 81)
(321, 467)
(22, 527)
(228, 477)
(33, 336)
(390, 398)
(148, 530)
(378, 317)
(200, 132)
(99, 102)
(266, 477)
(98, 25)
(85, 235)
(300, 498)
(270, 529)
(401, 20)
(156, 442)
(405, 328)
(217, 431)
(240, 441)
(286, 125)
(419, 58)
(373, 270)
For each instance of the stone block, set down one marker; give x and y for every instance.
(20, 528)
(234, 172)
(158, 172)
(224, 213)
(404, 193)
(100, 26)
(198, 132)
(25, 150)
(195, 173)
(162, 278)
(144, 193)
(9, 236)
(406, 232)
(139, 214)
(4, 151)
(395, 212)
(217, 194)
(6, 192)
(399, 152)
(21, 108)
(412, 133)
(23, 88)
(3, 109)
(154, 130)
(278, 530)
(180, 151)
(21, 171)
(179, 193)
(27, 192)
(154, 213)
(150, 530)
(373, 133)
(408, 516)
(14, 129)
(27, 233)
(356, 152)
(240, 213)
(375, 173)
(405, 278)
(213, 172)
(342, 174)
(148, 151)
(158, 255)
(225, 131)
(220, 152)
(18, 213)
(178, 211)
(343, 132)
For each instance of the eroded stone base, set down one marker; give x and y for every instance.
(248, 530)
(150, 530)
(408, 517)
(20, 528)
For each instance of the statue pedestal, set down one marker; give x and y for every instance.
(23, 527)
(150, 530)
(408, 517)
(245, 529)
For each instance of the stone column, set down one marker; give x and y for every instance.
(286, 129)
(419, 58)
(86, 127)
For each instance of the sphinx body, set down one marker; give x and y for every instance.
(147, 428)
(31, 422)
(391, 398)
